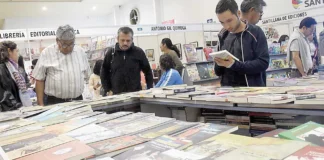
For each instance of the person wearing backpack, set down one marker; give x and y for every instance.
(122, 66)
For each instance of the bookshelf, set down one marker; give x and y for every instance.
(200, 73)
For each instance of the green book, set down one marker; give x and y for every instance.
(310, 132)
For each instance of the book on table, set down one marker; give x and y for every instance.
(310, 132)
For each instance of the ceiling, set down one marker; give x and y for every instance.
(61, 8)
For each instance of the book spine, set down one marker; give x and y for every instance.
(184, 90)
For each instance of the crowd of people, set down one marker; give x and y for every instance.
(60, 73)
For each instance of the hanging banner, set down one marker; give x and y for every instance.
(307, 4)
(288, 17)
(44, 33)
(169, 28)
(13, 35)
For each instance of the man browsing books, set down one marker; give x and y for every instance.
(244, 41)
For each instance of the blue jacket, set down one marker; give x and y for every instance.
(254, 49)
(169, 78)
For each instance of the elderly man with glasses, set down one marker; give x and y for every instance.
(61, 70)
(252, 10)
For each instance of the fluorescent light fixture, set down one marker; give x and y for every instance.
(44, 8)
(94, 8)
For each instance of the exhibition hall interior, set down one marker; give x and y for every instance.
(161, 80)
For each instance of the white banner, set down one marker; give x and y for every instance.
(13, 35)
(44, 33)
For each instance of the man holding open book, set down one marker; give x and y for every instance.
(245, 42)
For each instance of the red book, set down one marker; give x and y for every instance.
(309, 153)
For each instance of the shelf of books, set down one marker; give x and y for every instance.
(278, 66)
(75, 131)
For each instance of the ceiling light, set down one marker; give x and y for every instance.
(44, 8)
(94, 8)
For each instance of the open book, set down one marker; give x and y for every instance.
(223, 55)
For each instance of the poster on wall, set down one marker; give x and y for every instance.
(150, 54)
(271, 33)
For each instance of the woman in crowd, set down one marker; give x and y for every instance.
(170, 76)
(13, 89)
(313, 43)
(94, 81)
(22, 70)
(283, 38)
(168, 48)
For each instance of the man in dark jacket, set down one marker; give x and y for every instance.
(122, 66)
(246, 42)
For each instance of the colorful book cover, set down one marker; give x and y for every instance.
(70, 150)
(308, 153)
(167, 129)
(37, 147)
(20, 131)
(211, 69)
(47, 113)
(27, 142)
(193, 72)
(115, 144)
(273, 134)
(310, 132)
(203, 71)
(141, 125)
(204, 131)
(152, 149)
(191, 53)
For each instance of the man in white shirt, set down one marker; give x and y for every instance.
(299, 52)
(61, 70)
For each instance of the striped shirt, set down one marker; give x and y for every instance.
(64, 75)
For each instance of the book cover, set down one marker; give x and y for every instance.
(211, 69)
(98, 136)
(74, 150)
(141, 125)
(275, 148)
(7, 116)
(69, 126)
(47, 113)
(37, 147)
(191, 53)
(26, 142)
(125, 119)
(85, 130)
(89, 115)
(203, 71)
(20, 131)
(3, 155)
(193, 72)
(167, 129)
(204, 131)
(243, 155)
(115, 144)
(308, 153)
(310, 132)
(273, 134)
(152, 149)
(223, 55)
(175, 154)
(219, 145)
(10, 125)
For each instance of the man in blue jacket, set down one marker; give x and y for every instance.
(246, 42)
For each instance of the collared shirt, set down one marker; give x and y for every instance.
(294, 47)
(64, 75)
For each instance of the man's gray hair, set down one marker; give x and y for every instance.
(126, 30)
(65, 33)
(258, 5)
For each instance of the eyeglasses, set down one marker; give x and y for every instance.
(67, 45)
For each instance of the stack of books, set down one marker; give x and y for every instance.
(261, 123)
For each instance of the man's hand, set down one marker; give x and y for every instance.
(225, 63)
